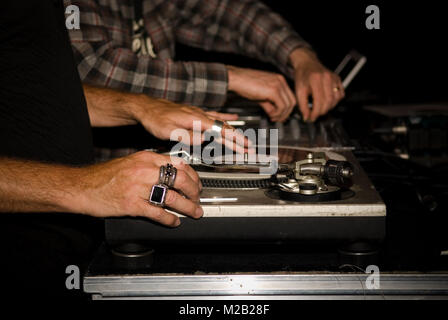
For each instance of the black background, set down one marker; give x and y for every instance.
(406, 57)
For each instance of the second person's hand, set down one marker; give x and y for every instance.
(270, 90)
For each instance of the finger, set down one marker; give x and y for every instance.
(182, 169)
(318, 98)
(283, 91)
(222, 116)
(185, 184)
(201, 122)
(268, 107)
(276, 99)
(288, 98)
(341, 92)
(159, 215)
(291, 97)
(232, 138)
(338, 90)
(243, 142)
(302, 98)
(232, 144)
(182, 205)
(338, 95)
(205, 126)
(231, 134)
(285, 112)
(290, 108)
(293, 102)
(330, 99)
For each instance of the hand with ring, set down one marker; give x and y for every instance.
(167, 178)
(170, 121)
(144, 184)
(313, 80)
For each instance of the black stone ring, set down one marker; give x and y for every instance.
(158, 195)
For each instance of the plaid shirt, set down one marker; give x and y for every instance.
(103, 45)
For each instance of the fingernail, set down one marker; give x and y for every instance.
(199, 212)
(177, 223)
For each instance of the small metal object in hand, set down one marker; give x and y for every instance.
(217, 126)
(162, 174)
(170, 175)
(167, 177)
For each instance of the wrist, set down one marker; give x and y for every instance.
(137, 106)
(302, 56)
(232, 77)
(74, 198)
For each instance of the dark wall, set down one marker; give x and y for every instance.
(406, 57)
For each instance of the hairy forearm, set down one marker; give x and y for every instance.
(28, 186)
(110, 108)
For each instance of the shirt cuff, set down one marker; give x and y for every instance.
(285, 43)
(209, 84)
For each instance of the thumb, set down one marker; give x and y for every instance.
(269, 108)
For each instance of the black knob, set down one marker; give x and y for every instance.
(338, 173)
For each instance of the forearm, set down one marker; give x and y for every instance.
(246, 27)
(112, 108)
(302, 56)
(28, 186)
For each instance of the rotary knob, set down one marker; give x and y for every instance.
(338, 173)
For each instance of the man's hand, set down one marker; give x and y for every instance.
(121, 187)
(160, 117)
(269, 89)
(313, 79)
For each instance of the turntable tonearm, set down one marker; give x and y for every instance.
(310, 180)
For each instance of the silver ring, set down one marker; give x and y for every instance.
(217, 126)
(162, 175)
(170, 175)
